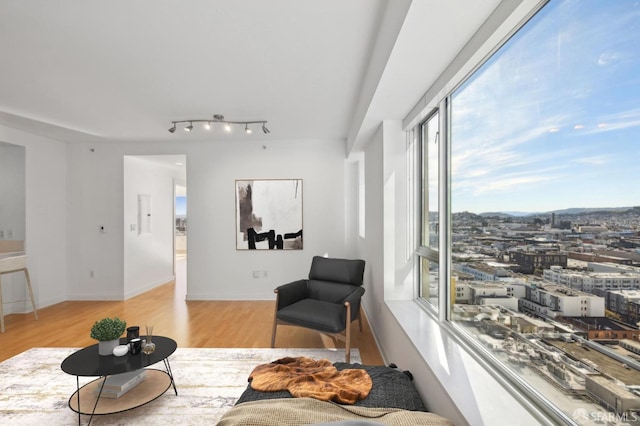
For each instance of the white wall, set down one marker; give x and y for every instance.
(12, 191)
(95, 200)
(148, 258)
(73, 190)
(46, 224)
(216, 270)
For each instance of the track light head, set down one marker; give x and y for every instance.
(247, 129)
(227, 127)
(264, 129)
(173, 129)
(207, 125)
(189, 127)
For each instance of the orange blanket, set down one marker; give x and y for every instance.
(305, 377)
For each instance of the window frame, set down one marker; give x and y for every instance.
(425, 251)
(530, 398)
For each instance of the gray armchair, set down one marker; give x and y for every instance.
(327, 302)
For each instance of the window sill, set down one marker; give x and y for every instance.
(480, 392)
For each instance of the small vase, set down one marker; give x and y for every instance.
(149, 347)
(105, 347)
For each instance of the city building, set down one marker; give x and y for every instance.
(611, 395)
(601, 328)
(485, 271)
(559, 301)
(595, 257)
(619, 302)
(593, 282)
(528, 263)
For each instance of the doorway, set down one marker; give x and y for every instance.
(180, 236)
(155, 230)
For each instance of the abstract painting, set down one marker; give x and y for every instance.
(269, 214)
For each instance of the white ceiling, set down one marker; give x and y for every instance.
(123, 70)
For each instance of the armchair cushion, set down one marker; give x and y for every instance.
(347, 271)
(329, 292)
(315, 314)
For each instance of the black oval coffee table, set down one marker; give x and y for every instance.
(87, 363)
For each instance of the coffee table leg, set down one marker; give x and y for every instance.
(78, 395)
(167, 366)
(97, 400)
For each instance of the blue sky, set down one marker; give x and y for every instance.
(552, 120)
(181, 206)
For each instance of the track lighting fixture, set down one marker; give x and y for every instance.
(208, 123)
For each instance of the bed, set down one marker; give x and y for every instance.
(391, 400)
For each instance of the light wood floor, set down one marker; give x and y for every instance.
(194, 324)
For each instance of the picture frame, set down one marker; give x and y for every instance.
(269, 214)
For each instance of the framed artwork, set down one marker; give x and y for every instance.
(269, 214)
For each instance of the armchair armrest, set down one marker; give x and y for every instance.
(354, 300)
(288, 294)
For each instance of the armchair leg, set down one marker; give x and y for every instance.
(275, 322)
(360, 317)
(347, 344)
(273, 334)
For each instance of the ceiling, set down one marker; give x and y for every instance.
(122, 70)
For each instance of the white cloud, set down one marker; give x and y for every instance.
(596, 160)
(607, 58)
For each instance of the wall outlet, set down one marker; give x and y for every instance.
(1, 234)
(91, 274)
(265, 274)
(10, 234)
(256, 274)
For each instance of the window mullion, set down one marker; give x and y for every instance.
(444, 201)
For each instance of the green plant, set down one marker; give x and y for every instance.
(108, 329)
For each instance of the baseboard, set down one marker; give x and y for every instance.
(233, 296)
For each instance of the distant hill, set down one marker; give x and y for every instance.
(593, 209)
(571, 211)
(508, 214)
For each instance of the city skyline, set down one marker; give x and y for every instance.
(567, 210)
(551, 121)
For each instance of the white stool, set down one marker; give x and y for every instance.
(15, 264)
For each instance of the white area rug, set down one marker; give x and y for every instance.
(35, 391)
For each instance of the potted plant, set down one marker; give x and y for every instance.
(107, 332)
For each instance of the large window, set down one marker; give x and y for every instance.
(544, 142)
